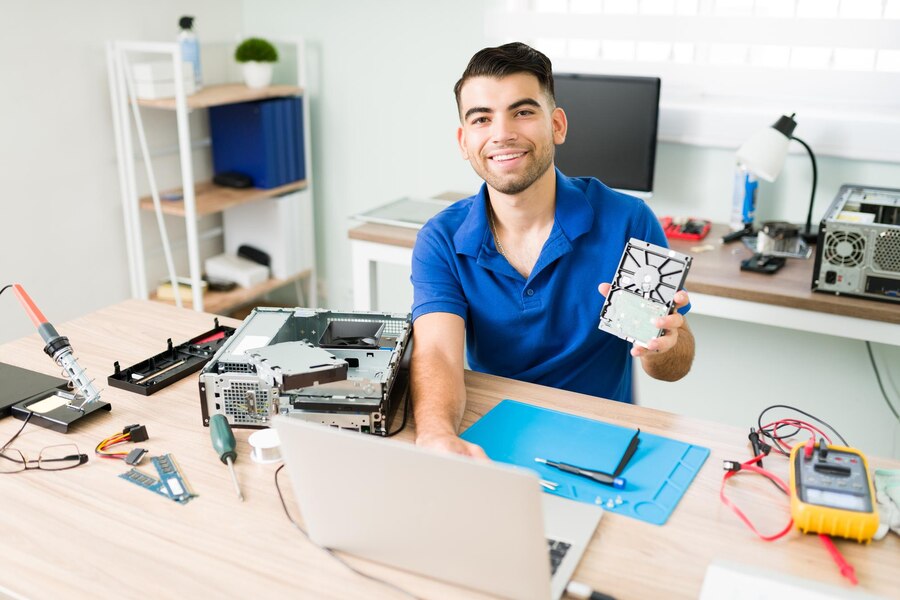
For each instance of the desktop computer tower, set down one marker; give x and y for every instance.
(858, 249)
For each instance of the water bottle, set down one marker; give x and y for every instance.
(190, 48)
(743, 202)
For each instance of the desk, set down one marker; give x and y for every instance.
(86, 533)
(717, 286)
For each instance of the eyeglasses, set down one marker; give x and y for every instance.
(51, 458)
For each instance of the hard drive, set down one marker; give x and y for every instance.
(643, 290)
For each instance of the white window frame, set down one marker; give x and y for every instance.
(851, 114)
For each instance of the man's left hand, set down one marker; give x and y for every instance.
(670, 324)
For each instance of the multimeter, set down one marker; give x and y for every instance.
(831, 491)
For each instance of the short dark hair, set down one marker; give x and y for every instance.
(509, 59)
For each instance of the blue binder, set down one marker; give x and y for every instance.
(657, 475)
(300, 144)
(290, 138)
(282, 138)
(258, 139)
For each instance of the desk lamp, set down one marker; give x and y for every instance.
(764, 153)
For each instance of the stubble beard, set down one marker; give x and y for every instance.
(513, 183)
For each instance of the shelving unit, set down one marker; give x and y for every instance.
(197, 199)
(222, 302)
(210, 198)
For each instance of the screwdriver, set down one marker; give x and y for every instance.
(223, 442)
(598, 476)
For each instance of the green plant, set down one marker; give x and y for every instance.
(255, 49)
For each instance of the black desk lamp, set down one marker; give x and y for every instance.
(764, 154)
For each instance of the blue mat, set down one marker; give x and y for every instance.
(656, 477)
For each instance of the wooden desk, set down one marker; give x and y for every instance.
(86, 533)
(716, 284)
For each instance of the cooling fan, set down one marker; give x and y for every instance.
(844, 248)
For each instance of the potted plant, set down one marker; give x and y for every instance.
(256, 56)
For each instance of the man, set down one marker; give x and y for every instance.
(514, 269)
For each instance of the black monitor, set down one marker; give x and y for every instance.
(612, 128)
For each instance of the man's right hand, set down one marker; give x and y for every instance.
(451, 443)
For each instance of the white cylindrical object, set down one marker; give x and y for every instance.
(266, 446)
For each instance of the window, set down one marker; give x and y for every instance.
(729, 67)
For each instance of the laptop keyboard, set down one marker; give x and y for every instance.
(557, 552)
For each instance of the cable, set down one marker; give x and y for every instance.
(329, 550)
(6, 287)
(405, 415)
(582, 591)
(733, 468)
(130, 433)
(877, 377)
(777, 438)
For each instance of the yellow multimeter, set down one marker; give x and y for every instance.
(831, 492)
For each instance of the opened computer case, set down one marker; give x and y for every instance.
(858, 251)
(345, 369)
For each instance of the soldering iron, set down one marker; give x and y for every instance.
(58, 348)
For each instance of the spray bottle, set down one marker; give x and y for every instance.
(190, 47)
(743, 204)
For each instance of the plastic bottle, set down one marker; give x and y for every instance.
(743, 202)
(190, 47)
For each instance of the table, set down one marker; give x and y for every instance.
(86, 533)
(716, 284)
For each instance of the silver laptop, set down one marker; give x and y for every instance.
(405, 212)
(474, 523)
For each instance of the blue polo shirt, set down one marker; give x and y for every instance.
(544, 329)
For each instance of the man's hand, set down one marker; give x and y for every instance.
(451, 443)
(669, 356)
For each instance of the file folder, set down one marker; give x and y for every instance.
(258, 139)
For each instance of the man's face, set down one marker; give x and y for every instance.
(509, 129)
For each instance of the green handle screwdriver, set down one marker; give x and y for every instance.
(223, 442)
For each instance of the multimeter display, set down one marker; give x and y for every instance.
(831, 492)
(838, 480)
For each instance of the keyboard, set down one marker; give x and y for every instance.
(557, 553)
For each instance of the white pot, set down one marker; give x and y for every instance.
(257, 74)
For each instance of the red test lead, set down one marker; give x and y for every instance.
(846, 568)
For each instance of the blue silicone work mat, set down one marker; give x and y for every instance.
(656, 476)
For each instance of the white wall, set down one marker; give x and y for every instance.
(383, 127)
(62, 228)
(382, 107)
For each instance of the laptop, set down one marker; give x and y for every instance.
(405, 212)
(435, 514)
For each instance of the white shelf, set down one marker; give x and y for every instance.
(197, 198)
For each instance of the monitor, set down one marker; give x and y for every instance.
(612, 128)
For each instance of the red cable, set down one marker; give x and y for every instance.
(751, 466)
(846, 568)
(771, 429)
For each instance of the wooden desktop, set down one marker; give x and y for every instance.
(87, 533)
(716, 284)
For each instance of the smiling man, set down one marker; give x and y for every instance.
(512, 273)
